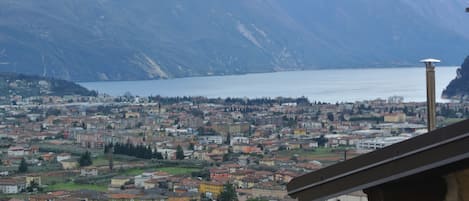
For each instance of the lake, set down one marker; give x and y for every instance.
(335, 85)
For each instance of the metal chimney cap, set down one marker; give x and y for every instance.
(430, 60)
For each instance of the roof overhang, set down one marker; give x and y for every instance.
(436, 149)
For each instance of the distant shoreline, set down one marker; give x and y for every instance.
(271, 72)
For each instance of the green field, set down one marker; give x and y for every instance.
(101, 161)
(178, 170)
(9, 196)
(70, 186)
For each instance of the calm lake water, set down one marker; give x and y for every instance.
(318, 85)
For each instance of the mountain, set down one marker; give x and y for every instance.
(87, 40)
(12, 84)
(458, 88)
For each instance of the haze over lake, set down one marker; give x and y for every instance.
(337, 85)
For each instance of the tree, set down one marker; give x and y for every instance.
(23, 166)
(226, 157)
(321, 141)
(33, 186)
(203, 197)
(204, 174)
(228, 193)
(282, 148)
(179, 153)
(191, 146)
(157, 155)
(111, 164)
(330, 116)
(85, 159)
(139, 151)
(228, 139)
(260, 146)
(108, 151)
(106, 148)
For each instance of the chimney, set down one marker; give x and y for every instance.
(431, 100)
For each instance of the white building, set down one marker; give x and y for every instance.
(16, 151)
(12, 186)
(141, 179)
(89, 171)
(239, 140)
(380, 142)
(63, 156)
(145, 177)
(168, 153)
(210, 139)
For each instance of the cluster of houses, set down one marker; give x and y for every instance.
(249, 183)
(15, 185)
(248, 144)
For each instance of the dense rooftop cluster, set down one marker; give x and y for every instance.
(191, 147)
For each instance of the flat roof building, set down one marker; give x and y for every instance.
(379, 142)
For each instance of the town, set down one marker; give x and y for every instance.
(190, 148)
